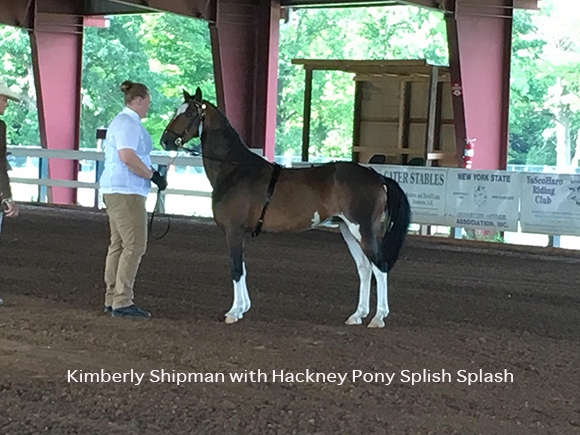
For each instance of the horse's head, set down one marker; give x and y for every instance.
(185, 124)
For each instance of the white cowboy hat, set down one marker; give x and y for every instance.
(5, 90)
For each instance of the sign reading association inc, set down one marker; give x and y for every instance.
(550, 203)
(482, 199)
(425, 189)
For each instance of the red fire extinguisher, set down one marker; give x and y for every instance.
(468, 152)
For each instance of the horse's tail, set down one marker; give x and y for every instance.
(397, 221)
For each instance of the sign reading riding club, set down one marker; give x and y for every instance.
(550, 204)
(425, 189)
(482, 199)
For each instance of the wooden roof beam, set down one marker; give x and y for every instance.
(442, 5)
(204, 9)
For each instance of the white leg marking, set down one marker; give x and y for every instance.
(382, 301)
(352, 227)
(246, 302)
(364, 272)
(242, 301)
(315, 219)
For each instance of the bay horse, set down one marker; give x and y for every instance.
(251, 194)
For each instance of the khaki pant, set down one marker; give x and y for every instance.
(128, 223)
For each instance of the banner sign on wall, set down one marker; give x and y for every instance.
(425, 188)
(550, 203)
(482, 199)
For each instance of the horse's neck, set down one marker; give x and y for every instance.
(223, 149)
(222, 141)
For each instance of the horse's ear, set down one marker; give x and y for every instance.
(198, 94)
(186, 95)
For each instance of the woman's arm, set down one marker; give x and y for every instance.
(134, 163)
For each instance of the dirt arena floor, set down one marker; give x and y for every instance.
(455, 306)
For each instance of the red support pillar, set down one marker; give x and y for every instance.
(57, 43)
(479, 39)
(245, 54)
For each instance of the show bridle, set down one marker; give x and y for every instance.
(179, 144)
(178, 141)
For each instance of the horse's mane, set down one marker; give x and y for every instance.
(228, 132)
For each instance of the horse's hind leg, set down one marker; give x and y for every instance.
(382, 301)
(366, 245)
(241, 302)
(364, 268)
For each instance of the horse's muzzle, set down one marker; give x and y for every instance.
(170, 141)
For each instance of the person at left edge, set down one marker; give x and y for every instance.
(8, 206)
(125, 183)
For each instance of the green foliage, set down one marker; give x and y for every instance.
(112, 55)
(16, 69)
(357, 33)
(165, 52)
(545, 83)
(485, 235)
(528, 118)
(169, 53)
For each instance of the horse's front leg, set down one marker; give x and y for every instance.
(241, 302)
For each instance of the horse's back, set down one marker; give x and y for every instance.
(304, 197)
(342, 172)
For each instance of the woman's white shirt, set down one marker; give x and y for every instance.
(126, 132)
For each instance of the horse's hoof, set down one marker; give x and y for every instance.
(353, 320)
(231, 319)
(377, 323)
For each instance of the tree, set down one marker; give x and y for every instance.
(169, 53)
(111, 55)
(528, 118)
(165, 52)
(346, 33)
(305, 37)
(179, 50)
(16, 70)
(560, 62)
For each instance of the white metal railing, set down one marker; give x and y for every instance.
(97, 156)
(158, 159)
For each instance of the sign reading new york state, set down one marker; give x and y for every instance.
(550, 203)
(425, 189)
(482, 199)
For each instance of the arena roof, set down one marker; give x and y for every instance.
(17, 12)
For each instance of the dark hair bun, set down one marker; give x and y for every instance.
(126, 85)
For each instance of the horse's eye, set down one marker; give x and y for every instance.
(188, 114)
